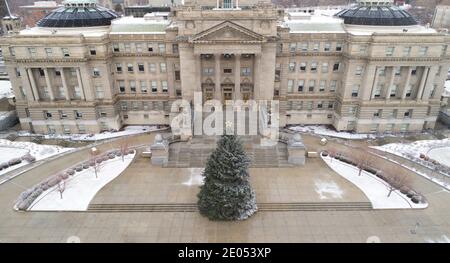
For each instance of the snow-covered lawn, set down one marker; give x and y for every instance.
(129, 130)
(81, 188)
(6, 89)
(10, 150)
(373, 187)
(441, 239)
(435, 149)
(324, 131)
(328, 189)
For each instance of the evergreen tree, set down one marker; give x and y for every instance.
(227, 193)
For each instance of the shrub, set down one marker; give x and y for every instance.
(25, 194)
(44, 186)
(410, 193)
(30, 159)
(79, 168)
(422, 156)
(417, 199)
(64, 176)
(111, 156)
(99, 160)
(118, 153)
(105, 158)
(325, 154)
(130, 151)
(14, 161)
(92, 163)
(70, 171)
(54, 181)
(85, 165)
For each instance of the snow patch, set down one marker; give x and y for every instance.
(323, 130)
(328, 190)
(373, 187)
(81, 188)
(441, 239)
(413, 149)
(129, 130)
(196, 177)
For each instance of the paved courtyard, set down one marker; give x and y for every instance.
(147, 184)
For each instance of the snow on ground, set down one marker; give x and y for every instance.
(323, 130)
(129, 130)
(442, 155)
(417, 148)
(447, 89)
(6, 89)
(373, 187)
(441, 239)
(81, 188)
(328, 189)
(196, 177)
(10, 150)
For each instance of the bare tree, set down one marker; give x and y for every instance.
(61, 187)
(363, 160)
(96, 162)
(397, 178)
(124, 148)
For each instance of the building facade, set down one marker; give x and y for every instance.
(357, 74)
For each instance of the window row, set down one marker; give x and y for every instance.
(143, 86)
(315, 47)
(310, 105)
(63, 115)
(143, 47)
(151, 67)
(314, 67)
(310, 85)
(392, 114)
(144, 105)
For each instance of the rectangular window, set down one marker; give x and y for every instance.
(143, 85)
(313, 66)
(377, 114)
(51, 129)
(119, 68)
(378, 90)
(390, 51)
(130, 67)
(398, 71)
(62, 92)
(362, 49)
(141, 67)
(406, 51)
(22, 92)
(355, 91)
(132, 86)
(78, 114)
(246, 72)
(65, 52)
(121, 84)
(409, 91)
(394, 89)
(139, 47)
(164, 86)
(208, 71)
(162, 48)
(116, 47)
(333, 86)
(374, 127)
(327, 47)
(404, 127)
(154, 86)
(305, 46)
(382, 71)
(290, 85)
(320, 105)
(41, 72)
(152, 67)
(339, 47)
(303, 66)
(32, 51)
(45, 92)
(330, 105)
(423, 51)
(433, 91)
(162, 67)
(124, 106)
(322, 85)
(150, 47)
(175, 48)
(81, 128)
(96, 72)
(77, 92)
(128, 47)
(414, 71)
(359, 70)
(311, 86)
(18, 74)
(47, 115)
(135, 105)
(99, 93)
(408, 114)
(389, 128)
(292, 66)
(227, 71)
(336, 67)
(316, 46)
(301, 85)
(12, 52)
(49, 51)
(92, 51)
(310, 105)
(145, 105)
(293, 47)
(325, 67)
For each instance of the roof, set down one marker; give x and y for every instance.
(78, 17)
(130, 25)
(376, 16)
(315, 24)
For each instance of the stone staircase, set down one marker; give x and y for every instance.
(196, 152)
(262, 207)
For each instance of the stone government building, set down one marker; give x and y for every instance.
(369, 68)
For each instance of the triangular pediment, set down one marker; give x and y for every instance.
(227, 32)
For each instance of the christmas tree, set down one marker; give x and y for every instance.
(227, 193)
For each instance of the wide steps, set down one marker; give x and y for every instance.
(262, 207)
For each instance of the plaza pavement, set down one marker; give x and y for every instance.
(166, 184)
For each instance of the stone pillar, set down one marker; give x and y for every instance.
(391, 83)
(237, 77)
(80, 84)
(256, 76)
(367, 85)
(422, 83)
(33, 83)
(49, 84)
(408, 79)
(160, 151)
(237, 3)
(375, 83)
(218, 89)
(429, 84)
(296, 150)
(198, 65)
(64, 82)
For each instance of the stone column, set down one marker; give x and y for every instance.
(33, 83)
(218, 89)
(408, 79)
(391, 83)
(64, 82)
(429, 84)
(367, 85)
(237, 77)
(198, 64)
(49, 84)
(80, 84)
(375, 83)
(256, 76)
(422, 83)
